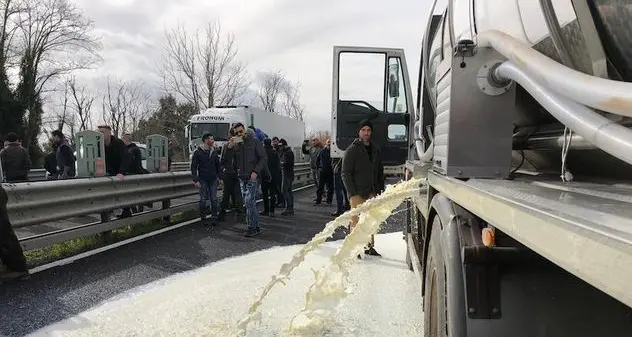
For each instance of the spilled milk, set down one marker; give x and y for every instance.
(330, 285)
(188, 303)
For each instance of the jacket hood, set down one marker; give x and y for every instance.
(250, 133)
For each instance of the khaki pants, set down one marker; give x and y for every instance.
(354, 202)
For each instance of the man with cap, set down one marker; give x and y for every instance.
(363, 174)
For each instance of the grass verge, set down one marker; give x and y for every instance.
(76, 246)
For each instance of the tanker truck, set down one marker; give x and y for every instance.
(520, 133)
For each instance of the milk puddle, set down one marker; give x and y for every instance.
(315, 317)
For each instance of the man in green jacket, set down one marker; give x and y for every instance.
(363, 174)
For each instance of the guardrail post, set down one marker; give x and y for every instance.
(165, 205)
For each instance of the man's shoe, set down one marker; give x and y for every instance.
(371, 251)
(252, 232)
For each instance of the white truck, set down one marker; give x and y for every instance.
(218, 120)
(523, 141)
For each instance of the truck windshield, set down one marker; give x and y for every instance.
(218, 130)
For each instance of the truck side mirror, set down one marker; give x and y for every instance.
(186, 130)
(393, 80)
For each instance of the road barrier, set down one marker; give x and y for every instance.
(36, 203)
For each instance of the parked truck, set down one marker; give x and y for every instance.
(218, 120)
(521, 136)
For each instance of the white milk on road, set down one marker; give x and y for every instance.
(384, 300)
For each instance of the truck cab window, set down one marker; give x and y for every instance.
(361, 79)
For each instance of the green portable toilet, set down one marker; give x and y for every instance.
(90, 153)
(157, 153)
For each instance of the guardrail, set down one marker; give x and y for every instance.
(32, 204)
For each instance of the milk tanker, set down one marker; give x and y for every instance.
(521, 134)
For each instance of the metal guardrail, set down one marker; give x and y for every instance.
(43, 202)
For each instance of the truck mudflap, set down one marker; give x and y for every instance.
(413, 255)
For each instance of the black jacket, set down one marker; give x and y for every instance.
(362, 175)
(114, 156)
(287, 162)
(324, 160)
(228, 162)
(250, 156)
(205, 165)
(274, 163)
(132, 160)
(16, 162)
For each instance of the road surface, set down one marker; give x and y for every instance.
(67, 291)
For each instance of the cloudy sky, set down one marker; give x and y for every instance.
(294, 36)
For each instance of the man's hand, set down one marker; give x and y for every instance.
(197, 184)
(231, 142)
(253, 176)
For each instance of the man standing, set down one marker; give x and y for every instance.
(131, 164)
(229, 177)
(363, 174)
(63, 156)
(205, 169)
(287, 165)
(251, 161)
(326, 173)
(313, 152)
(114, 151)
(15, 160)
(269, 186)
(342, 201)
(280, 198)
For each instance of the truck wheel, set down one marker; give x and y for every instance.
(435, 308)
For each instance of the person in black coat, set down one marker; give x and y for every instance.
(270, 183)
(326, 173)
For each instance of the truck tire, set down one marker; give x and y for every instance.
(435, 307)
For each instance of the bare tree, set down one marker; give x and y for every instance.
(55, 39)
(202, 67)
(125, 104)
(291, 102)
(63, 117)
(81, 103)
(271, 86)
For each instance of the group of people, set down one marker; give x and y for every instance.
(248, 160)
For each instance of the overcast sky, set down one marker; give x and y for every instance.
(295, 36)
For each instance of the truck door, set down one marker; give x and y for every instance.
(373, 84)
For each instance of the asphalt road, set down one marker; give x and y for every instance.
(61, 292)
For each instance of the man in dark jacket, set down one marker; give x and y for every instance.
(326, 173)
(363, 173)
(232, 189)
(251, 162)
(279, 197)
(342, 201)
(205, 169)
(313, 151)
(132, 161)
(64, 157)
(15, 160)
(287, 165)
(114, 152)
(11, 253)
(131, 164)
(269, 185)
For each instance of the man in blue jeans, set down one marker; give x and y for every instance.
(251, 160)
(205, 169)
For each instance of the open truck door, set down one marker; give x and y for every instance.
(372, 83)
